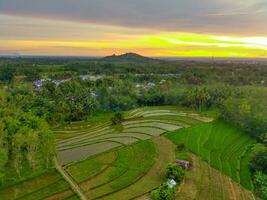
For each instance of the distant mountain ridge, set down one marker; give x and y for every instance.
(128, 57)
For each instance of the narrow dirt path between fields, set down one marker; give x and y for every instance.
(75, 187)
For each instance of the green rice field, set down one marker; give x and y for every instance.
(116, 173)
(203, 182)
(223, 146)
(81, 140)
(39, 187)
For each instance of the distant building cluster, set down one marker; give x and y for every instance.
(162, 74)
(38, 84)
(149, 84)
(91, 77)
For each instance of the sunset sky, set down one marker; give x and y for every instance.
(173, 28)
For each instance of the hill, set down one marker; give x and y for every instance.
(129, 57)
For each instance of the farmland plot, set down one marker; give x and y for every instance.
(223, 146)
(80, 140)
(161, 125)
(105, 161)
(39, 187)
(153, 178)
(84, 151)
(118, 174)
(205, 183)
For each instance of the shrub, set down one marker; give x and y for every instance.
(117, 118)
(258, 161)
(175, 172)
(181, 147)
(164, 192)
(260, 182)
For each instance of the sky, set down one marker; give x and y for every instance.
(158, 28)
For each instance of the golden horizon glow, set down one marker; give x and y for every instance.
(101, 40)
(171, 44)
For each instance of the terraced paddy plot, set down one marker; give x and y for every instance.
(80, 134)
(82, 138)
(205, 183)
(123, 138)
(157, 113)
(223, 146)
(146, 130)
(108, 162)
(153, 178)
(82, 141)
(84, 151)
(86, 169)
(160, 125)
(123, 173)
(164, 121)
(143, 152)
(40, 187)
(171, 111)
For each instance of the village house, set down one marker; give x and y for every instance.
(171, 183)
(162, 81)
(138, 85)
(150, 84)
(84, 77)
(38, 84)
(96, 77)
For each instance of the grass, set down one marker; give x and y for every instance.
(221, 145)
(73, 197)
(182, 155)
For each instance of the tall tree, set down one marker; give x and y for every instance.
(3, 161)
(32, 144)
(17, 149)
(7, 74)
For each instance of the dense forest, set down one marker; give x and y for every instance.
(37, 93)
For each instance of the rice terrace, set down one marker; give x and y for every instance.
(128, 161)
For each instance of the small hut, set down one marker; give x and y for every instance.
(183, 163)
(171, 183)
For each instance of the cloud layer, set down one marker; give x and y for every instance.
(223, 28)
(247, 17)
